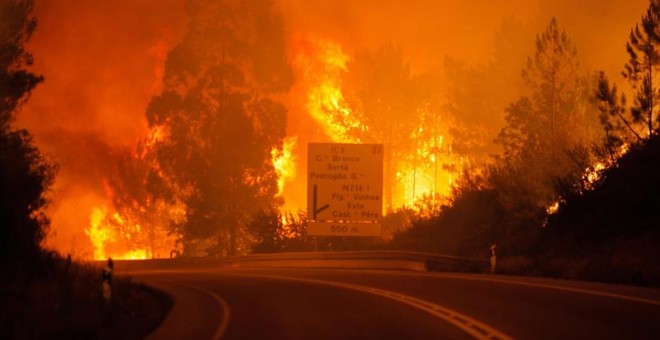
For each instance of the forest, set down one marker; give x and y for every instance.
(554, 163)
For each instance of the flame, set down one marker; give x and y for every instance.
(425, 169)
(284, 162)
(425, 175)
(132, 228)
(553, 208)
(98, 234)
(592, 175)
(156, 134)
(320, 64)
(102, 235)
(119, 237)
(137, 254)
(429, 173)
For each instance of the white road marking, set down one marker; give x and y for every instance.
(473, 327)
(220, 331)
(485, 278)
(549, 286)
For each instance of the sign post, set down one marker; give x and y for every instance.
(344, 189)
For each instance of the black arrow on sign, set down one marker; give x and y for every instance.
(316, 210)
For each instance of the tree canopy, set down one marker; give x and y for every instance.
(219, 118)
(642, 66)
(25, 175)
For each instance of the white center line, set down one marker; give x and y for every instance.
(475, 328)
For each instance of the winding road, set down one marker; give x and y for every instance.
(280, 303)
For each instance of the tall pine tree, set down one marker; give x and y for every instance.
(546, 128)
(642, 68)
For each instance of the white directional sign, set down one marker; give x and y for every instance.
(344, 189)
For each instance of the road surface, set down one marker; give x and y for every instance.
(214, 303)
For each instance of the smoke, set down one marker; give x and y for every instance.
(103, 61)
(429, 30)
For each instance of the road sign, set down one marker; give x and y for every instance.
(344, 189)
(344, 228)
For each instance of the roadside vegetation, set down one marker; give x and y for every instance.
(55, 298)
(591, 209)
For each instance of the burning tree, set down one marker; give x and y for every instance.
(397, 109)
(383, 90)
(144, 212)
(220, 120)
(374, 97)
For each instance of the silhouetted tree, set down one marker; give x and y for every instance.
(271, 232)
(267, 229)
(617, 128)
(642, 66)
(627, 125)
(16, 82)
(611, 232)
(24, 173)
(219, 117)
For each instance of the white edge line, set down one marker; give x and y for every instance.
(453, 317)
(220, 331)
(555, 287)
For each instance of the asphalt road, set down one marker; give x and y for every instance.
(369, 304)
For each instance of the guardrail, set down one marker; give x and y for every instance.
(362, 259)
(402, 260)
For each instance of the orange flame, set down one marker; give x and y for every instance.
(119, 237)
(134, 229)
(427, 167)
(284, 163)
(321, 64)
(98, 234)
(102, 234)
